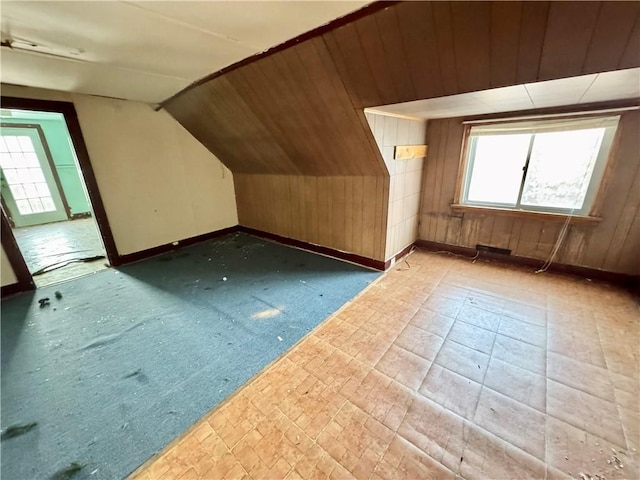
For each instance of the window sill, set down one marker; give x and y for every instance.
(544, 216)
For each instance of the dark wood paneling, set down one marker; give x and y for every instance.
(632, 51)
(628, 281)
(610, 244)
(416, 27)
(472, 44)
(446, 47)
(348, 55)
(610, 36)
(533, 26)
(505, 33)
(297, 111)
(568, 37)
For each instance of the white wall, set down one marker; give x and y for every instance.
(406, 177)
(7, 275)
(158, 183)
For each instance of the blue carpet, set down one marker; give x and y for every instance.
(128, 359)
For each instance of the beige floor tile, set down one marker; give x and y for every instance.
(587, 412)
(432, 322)
(404, 367)
(443, 368)
(512, 421)
(520, 354)
(463, 360)
(471, 336)
(518, 384)
(452, 391)
(479, 317)
(420, 342)
(583, 376)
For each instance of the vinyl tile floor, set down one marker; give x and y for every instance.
(443, 368)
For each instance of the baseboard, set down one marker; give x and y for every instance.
(331, 252)
(402, 253)
(631, 282)
(168, 247)
(14, 288)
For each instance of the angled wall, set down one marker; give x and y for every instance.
(157, 183)
(292, 117)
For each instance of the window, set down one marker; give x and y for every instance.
(552, 166)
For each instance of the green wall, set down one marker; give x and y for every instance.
(57, 135)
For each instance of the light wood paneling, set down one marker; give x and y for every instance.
(611, 244)
(344, 213)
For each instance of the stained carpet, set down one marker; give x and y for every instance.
(128, 359)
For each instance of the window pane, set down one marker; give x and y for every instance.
(11, 175)
(560, 168)
(5, 160)
(25, 144)
(18, 159)
(18, 192)
(12, 143)
(30, 189)
(497, 168)
(36, 175)
(43, 189)
(36, 205)
(31, 160)
(24, 175)
(24, 207)
(48, 205)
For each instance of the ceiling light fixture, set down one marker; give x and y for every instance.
(34, 47)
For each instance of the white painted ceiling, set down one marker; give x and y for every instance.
(616, 85)
(145, 50)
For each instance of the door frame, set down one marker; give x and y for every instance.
(67, 109)
(52, 165)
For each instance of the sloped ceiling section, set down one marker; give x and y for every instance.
(145, 50)
(299, 111)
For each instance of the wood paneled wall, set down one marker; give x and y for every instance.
(344, 213)
(611, 244)
(298, 112)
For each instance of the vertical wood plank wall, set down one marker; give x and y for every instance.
(406, 177)
(345, 213)
(291, 126)
(612, 244)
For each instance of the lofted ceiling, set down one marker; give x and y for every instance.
(582, 89)
(147, 50)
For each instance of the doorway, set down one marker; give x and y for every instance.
(45, 197)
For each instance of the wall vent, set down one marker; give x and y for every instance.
(488, 249)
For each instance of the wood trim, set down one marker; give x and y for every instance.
(75, 132)
(25, 280)
(462, 164)
(544, 216)
(631, 282)
(407, 152)
(612, 164)
(398, 256)
(330, 252)
(316, 32)
(168, 247)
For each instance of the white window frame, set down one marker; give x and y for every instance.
(609, 122)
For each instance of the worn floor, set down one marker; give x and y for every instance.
(442, 369)
(55, 244)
